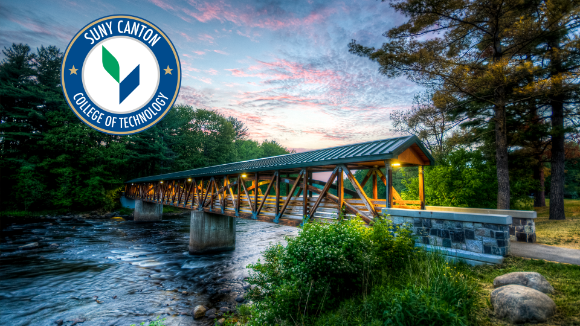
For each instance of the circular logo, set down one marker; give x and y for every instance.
(120, 74)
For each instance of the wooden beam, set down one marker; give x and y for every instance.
(340, 189)
(360, 191)
(375, 186)
(200, 194)
(173, 192)
(239, 194)
(421, 186)
(305, 194)
(247, 196)
(288, 197)
(265, 195)
(310, 182)
(277, 209)
(367, 176)
(213, 187)
(349, 207)
(202, 203)
(256, 181)
(323, 192)
(389, 184)
(230, 191)
(191, 187)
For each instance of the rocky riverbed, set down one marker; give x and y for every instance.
(103, 269)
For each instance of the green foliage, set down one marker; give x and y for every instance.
(467, 179)
(427, 291)
(156, 322)
(325, 264)
(51, 160)
(249, 149)
(29, 188)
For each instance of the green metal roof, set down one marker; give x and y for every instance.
(361, 152)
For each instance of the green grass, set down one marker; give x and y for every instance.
(564, 278)
(562, 233)
(427, 291)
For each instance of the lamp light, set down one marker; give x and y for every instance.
(396, 164)
(189, 179)
(243, 175)
(161, 181)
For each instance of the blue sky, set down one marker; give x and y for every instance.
(282, 67)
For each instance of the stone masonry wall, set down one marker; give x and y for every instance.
(475, 237)
(523, 230)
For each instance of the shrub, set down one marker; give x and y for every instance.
(428, 291)
(324, 265)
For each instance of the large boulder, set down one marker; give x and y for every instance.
(530, 279)
(198, 312)
(522, 304)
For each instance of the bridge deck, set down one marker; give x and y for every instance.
(231, 189)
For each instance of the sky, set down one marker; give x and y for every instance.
(281, 67)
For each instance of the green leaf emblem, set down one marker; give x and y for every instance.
(111, 64)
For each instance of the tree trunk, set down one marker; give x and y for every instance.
(558, 159)
(539, 194)
(558, 135)
(501, 148)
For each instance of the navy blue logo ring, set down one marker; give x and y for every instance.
(120, 74)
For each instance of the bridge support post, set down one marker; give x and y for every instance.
(211, 233)
(147, 212)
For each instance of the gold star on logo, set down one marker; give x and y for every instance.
(168, 70)
(73, 70)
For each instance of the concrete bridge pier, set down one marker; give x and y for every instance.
(147, 212)
(211, 233)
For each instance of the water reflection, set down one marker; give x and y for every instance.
(111, 272)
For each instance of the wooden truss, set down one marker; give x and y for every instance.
(259, 195)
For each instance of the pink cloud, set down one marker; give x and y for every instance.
(199, 52)
(203, 79)
(211, 71)
(221, 52)
(206, 38)
(267, 17)
(161, 4)
(251, 37)
(270, 17)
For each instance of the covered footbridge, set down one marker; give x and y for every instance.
(289, 188)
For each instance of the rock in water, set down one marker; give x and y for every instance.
(522, 304)
(240, 298)
(198, 312)
(210, 313)
(29, 246)
(530, 279)
(221, 321)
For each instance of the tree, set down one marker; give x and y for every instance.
(469, 51)
(50, 159)
(428, 121)
(561, 21)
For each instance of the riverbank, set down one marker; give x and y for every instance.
(421, 285)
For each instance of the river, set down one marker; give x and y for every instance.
(116, 272)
